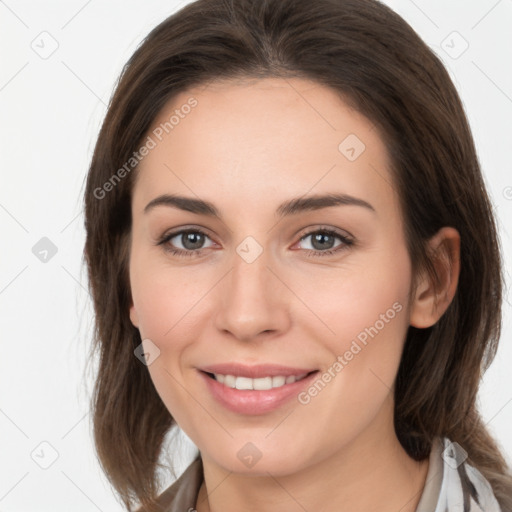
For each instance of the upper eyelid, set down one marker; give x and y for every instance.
(171, 234)
(336, 231)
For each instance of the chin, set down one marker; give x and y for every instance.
(252, 461)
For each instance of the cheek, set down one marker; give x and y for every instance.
(374, 324)
(165, 302)
(368, 293)
(167, 307)
(367, 310)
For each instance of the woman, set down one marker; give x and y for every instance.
(294, 259)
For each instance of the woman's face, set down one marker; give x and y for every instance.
(275, 286)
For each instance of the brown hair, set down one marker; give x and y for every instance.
(380, 66)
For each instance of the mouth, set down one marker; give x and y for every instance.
(257, 384)
(254, 390)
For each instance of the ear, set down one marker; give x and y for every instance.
(134, 317)
(431, 300)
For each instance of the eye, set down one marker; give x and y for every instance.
(323, 242)
(191, 241)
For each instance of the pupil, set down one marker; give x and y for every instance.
(189, 243)
(320, 237)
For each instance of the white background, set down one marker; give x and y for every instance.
(50, 112)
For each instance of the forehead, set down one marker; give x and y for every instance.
(256, 137)
(264, 108)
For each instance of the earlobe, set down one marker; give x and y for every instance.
(431, 299)
(133, 316)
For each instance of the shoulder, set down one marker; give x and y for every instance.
(463, 485)
(182, 494)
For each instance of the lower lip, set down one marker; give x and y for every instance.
(254, 402)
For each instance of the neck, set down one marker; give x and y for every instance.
(338, 483)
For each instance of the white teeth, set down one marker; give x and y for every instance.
(278, 381)
(229, 381)
(260, 384)
(243, 383)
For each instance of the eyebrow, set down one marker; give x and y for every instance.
(290, 207)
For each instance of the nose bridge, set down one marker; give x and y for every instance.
(250, 273)
(250, 302)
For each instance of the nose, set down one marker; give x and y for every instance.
(251, 301)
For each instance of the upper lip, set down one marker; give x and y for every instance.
(254, 371)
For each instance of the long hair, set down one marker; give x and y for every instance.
(381, 68)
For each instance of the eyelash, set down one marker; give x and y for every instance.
(347, 242)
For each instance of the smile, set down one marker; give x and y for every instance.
(254, 390)
(260, 384)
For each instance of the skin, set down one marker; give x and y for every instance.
(247, 147)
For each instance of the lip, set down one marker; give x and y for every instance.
(255, 371)
(254, 402)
